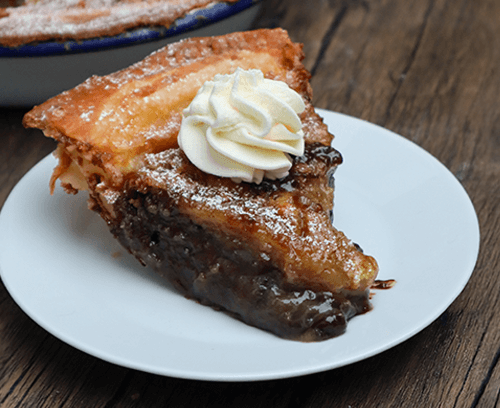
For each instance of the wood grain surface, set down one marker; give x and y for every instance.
(426, 69)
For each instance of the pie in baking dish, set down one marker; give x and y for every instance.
(28, 21)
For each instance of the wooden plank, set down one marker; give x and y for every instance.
(307, 23)
(425, 69)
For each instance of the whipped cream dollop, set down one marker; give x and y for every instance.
(243, 126)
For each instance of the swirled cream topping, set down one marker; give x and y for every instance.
(243, 126)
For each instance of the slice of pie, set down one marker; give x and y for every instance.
(266, 253)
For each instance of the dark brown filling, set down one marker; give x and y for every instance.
(220, 271)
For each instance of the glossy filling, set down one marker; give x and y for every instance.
(222, 272)
(221, 267)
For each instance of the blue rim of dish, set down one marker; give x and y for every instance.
(195, 19)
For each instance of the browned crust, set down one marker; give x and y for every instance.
(45, 20)
(76, 116)
(287, 219)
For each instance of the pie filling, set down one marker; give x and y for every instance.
(221, 272)
(219, 268)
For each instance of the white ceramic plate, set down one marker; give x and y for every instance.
(400, 204)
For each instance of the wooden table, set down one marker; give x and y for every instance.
(426, 69)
